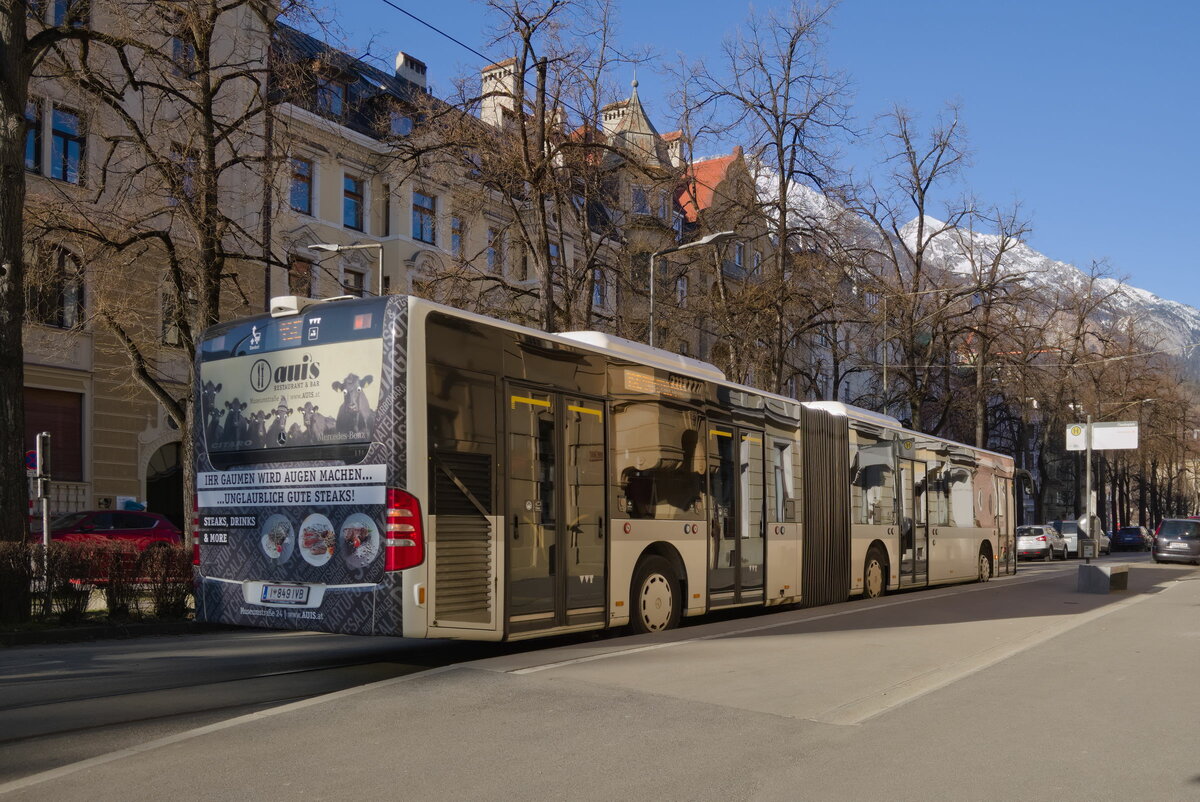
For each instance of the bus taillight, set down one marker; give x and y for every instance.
(405, 544)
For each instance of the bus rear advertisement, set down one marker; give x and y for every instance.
(392, 466)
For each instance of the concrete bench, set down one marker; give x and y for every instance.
(1102, 578)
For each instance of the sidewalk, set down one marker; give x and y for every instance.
(1016, 688)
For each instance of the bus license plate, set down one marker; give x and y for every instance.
(285, 594)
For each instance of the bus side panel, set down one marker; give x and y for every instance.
(826, 546)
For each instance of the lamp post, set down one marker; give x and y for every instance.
(711, 239)
(330, 247)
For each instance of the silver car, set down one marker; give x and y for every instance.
(1040, 543)
(1177, 541)
(1070, 533)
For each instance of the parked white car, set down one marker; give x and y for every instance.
(1070, 533)
(1040, 543)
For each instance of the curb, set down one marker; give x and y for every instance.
(110, 631)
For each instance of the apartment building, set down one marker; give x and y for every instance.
(342, 187)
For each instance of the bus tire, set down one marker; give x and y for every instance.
(985, 565)
(874, 574)
(654, 596)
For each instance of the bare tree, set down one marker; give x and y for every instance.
(903, 268)
(176, 215)
(789, 108)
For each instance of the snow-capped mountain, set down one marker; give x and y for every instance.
(1165, 325)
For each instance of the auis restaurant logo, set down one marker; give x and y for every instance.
(263, 374)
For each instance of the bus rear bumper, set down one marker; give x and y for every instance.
(359, 609)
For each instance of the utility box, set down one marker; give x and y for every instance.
(1102, 578)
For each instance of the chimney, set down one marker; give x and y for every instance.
(499, 84)
(411, 69)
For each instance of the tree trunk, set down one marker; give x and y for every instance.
(14, 487)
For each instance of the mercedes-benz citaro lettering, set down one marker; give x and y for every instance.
(393, 466)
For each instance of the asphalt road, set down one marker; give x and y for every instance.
(877, 678)
(68, 702)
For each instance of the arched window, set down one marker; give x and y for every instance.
(54, 289)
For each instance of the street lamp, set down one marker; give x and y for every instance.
(711, 239)
(330, 247)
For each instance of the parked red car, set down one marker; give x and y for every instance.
(143, 529)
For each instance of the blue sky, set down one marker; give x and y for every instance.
(1085, 112)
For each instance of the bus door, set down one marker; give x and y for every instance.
(736, 530)
(914, 525)
(1006, 561)
(555, 523)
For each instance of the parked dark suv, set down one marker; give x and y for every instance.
(1178, 541)
(140, 528)
(1132, 538)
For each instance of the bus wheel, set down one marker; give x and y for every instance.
(655, 597)
(985, 566)
(874, 575)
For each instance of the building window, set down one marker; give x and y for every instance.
(424, 216)
(60, 414)
(756, 264)
(67, 146)
(495, 251)
(555, 258)
(387, 210)
(681, 291)
(300, 195)
(599, 289)
(183, 48)
(33, 137)
(54, 291)
(71, 12)
(739, 254)
(353, 282)
(641, 200)
(399, 123)
(300, 277)
(184, 165)
(352, 202)
(664, 209)
(171, 334)
(457, 237)
(331, 97)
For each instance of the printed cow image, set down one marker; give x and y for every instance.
(275, 434)
(234, 431)
(316, 425)
(256, 429)
(355, 415)
(296, 436)
(210, 413)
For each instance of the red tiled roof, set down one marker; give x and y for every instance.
(671, 136)
(702, 180)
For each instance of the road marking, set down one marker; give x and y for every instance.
(893, 602)
(120, 754)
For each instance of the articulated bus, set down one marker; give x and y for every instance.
(394, 466)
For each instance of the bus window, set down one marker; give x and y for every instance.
(658, 465)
